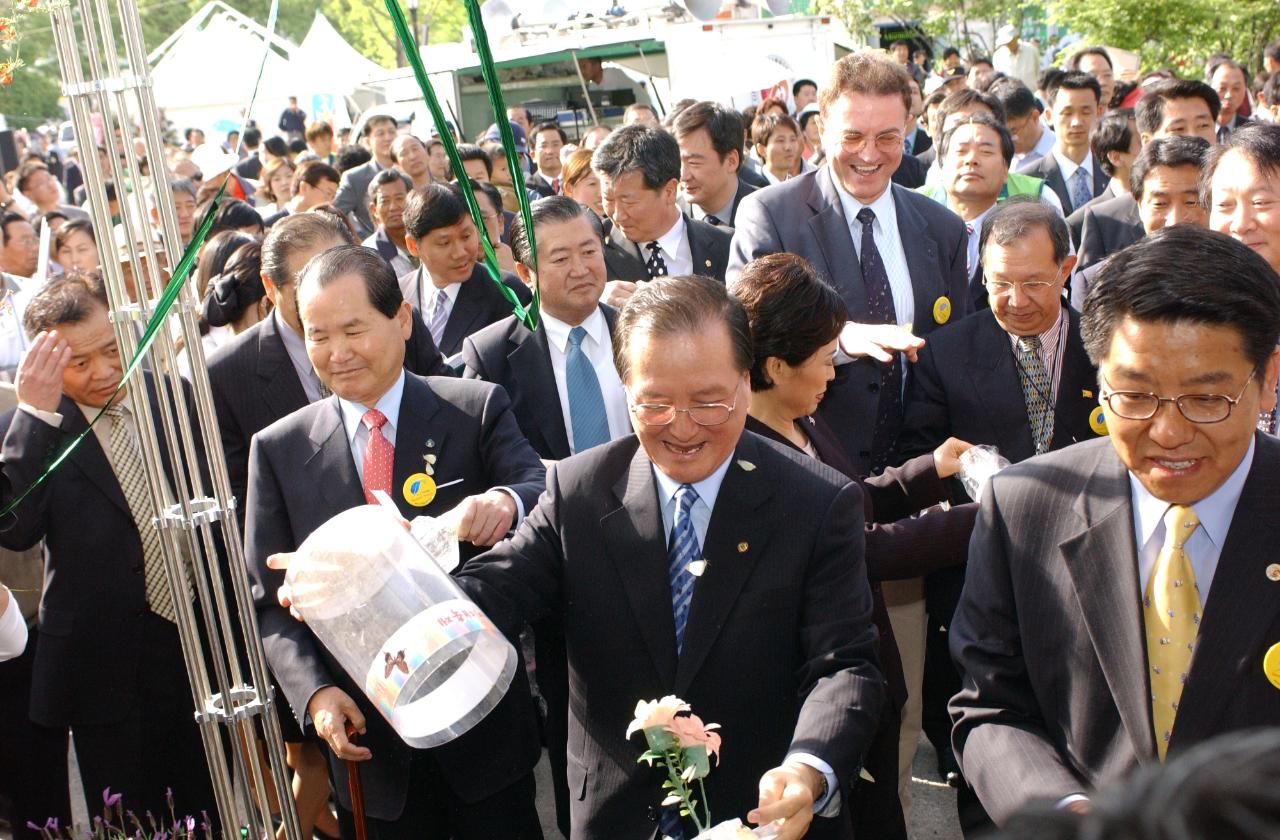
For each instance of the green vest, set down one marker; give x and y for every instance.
(1016, 184)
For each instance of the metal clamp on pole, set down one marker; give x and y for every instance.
(112, 84)
(204, 510)
(245, 703)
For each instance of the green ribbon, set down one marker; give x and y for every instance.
(165, 303)
(527, 315)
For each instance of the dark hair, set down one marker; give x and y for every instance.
(183, 185)
(1149, 112)
(276, 146)
(385, 176)
(317, 130)
(638, 106)
(379, 278)
(792, 311)
(236, 287)
(214, 256)
(1184, 273)
(766, 125)
(1016, 98)
(866, 73)
(66, 299)
(187, 132)
(26, 171)
(1257, 142)
(489, 191)
(351, 156)
(251, 137)
(1111, 133)
(799, 83)
(470, 151)
(1120, 93)
(297, 146)
(934, 99)
(950, 51)
(1073, 63)
(547, 211)
(312, 172)
(367, 129)
(1166, 151)
(1016, 217)
(1006, 139)
(549, 125)
(652, 152)
(234, 214)
(981, 59)
(8, 219)
(964, 99)
(723, 125)
(74, 226)
(1272, 51)
(1270, 91)
(1048, 78)
(1226, 61)
(1073, 81)
(433, 206)
(297, 232)
(669, 306)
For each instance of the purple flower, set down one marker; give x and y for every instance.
(205, 825)
(51, 823)
(190, 822)
(110, 799)
(168, 797)
(32, 826)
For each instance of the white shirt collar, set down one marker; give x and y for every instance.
(427, 290)
(724, 214)
(884, 207)
(1068, 167)
(388, 404)
(707, 489)
(670, 241)
(1214, 511)
(558, 331)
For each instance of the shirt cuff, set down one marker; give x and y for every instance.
(1067, 800)
(13, 630)
(53, 418)
(519, 505)
(829, 805)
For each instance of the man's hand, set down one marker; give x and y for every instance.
(787, 795)
(1079, 806)
(879, 341)
(483, 520)
(618, 292)
(283, 594)
(331, 709)
(39, 382)
(946, 458)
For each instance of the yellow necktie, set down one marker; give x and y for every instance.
(1171, 613)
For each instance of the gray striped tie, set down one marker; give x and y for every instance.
(439, 317)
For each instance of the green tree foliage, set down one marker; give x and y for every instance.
(31, 99)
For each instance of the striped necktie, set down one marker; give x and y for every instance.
(684, 550)
(439, 317)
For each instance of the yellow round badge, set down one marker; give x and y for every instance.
(419, 489)
(1271, 665)
(941, 310)
(1098, 421)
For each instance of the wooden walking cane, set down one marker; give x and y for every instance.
(356, 791)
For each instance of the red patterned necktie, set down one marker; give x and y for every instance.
(378, 456)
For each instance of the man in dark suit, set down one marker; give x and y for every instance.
(904, 265)
(1071, 170)
(710, 137)
(108, 661)
(609, 549)
(548, 139)
(264, 373)
(452, 292)
(378, 134)
(1230, 81)
(1115, 143)
(1165, 182)
(381, 427)
(647, 236)
(1118, 603)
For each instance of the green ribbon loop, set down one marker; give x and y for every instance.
(527, 315)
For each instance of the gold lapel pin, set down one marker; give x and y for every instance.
(1273, 573)
(742, 548)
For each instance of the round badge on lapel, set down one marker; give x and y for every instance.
(941, 310)
(1271, 665)
(1098, 421)
(419, 489)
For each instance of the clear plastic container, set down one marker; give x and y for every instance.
(379, 601)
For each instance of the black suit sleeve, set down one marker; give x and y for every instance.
(29, 445)
(925, 419)
(509, 458)
(421, 356)
(473, 362)
(235, 446)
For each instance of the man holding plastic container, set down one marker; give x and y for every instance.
(439, 447)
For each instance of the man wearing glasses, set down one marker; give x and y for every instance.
(1121, 605)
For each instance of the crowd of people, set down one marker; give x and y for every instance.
(726, 464)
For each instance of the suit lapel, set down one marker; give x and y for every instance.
(283, 391)
(636, 541)
(1242, 603)
(530, 361)
(417, 406)
(89, 456)
(467, 310)
(622, 258)
(922, 258)
(1053, 177)
(330, 467)
(737, 524)
(832, 233)
(1071, 414)
(1103, 564)
(699, 248)
(993, 373)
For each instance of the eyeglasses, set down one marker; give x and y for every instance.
(705, 414)
(1034, 288)
(1197, 408)
(885, 141)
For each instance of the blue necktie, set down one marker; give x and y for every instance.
(1081, 192)
(586, 402)
(684, 550)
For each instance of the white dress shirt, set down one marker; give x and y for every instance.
(352, 415)
(297, 350)
(884, 230)
(13, 629)
(418, 289)
(400, 263)
(674, 245)
(1042, 147)
(13, 338)
(708, 489)
(1215, 513)
(598, 347)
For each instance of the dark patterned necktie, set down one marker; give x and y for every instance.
(1036, 392)
(880, 310)
(655, 265)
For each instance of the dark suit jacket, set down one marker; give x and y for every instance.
(94, 604)
(350, 198)
(928, 156)
(752, 176)
(1047, 168)
(511, 355)
(966, 385)
(911, 172)
(254, 384)
(479, 304)
(1075, 221)
(301, 474)
(922, 144)
(779, 647)
(539, 184)
(708, 245)
(1108, 227)
(1049, 634)
(804, 216)
(1080, 283)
